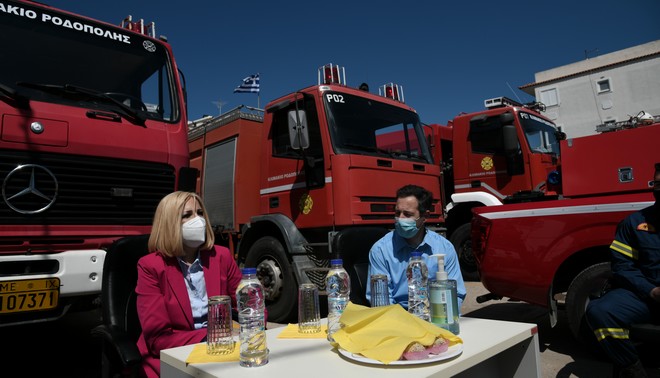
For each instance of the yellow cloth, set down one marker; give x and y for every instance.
(383, 333)
(199, 355)
(291, 332)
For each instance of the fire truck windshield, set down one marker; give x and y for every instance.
(363, 126)
(60, 58)
(542, 135)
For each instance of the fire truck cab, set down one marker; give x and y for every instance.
(499, 155)
(279, 189)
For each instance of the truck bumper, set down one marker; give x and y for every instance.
(79, 271)
(23, 276)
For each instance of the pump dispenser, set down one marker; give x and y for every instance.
(443, 299)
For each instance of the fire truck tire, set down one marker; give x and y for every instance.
(276, 275)
(461, 239)
(587, 283)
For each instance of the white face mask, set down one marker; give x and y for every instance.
(194, 232)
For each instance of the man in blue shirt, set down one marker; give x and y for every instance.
(390, 255)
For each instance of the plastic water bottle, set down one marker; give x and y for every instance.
(338, 287)
(251, 308)
(418, 300)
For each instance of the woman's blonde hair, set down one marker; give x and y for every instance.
(166, 229)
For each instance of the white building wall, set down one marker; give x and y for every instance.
(634, 85)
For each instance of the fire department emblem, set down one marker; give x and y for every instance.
(487, 163)
(149, 46)
(306, 203)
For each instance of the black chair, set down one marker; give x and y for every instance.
(353, 245)
(120, 328)
(645, 333)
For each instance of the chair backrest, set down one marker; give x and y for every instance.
(353, 245)
(119, 281)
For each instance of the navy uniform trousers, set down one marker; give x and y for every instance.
(609, 317)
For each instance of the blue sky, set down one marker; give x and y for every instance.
(448, 55)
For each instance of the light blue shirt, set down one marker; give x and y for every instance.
(390, 256)
(196, 286)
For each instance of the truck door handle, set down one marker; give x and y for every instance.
(274, 202)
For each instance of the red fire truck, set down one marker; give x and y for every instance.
(93, 133)
(556, 253)
(479, 169)
(281, 186)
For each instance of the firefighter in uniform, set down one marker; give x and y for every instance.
(635, 293)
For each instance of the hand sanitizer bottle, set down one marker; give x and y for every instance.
(443, 298)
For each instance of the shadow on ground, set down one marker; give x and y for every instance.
(558, 347)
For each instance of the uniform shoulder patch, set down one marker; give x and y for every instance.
(646, 227)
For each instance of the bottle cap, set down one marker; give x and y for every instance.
(415, 254)
(249, 271)
(336, 262)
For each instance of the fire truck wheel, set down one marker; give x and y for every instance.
(461, 239)
(585, 285)
(276, 275)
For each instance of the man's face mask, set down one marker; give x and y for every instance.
(194, 232)
(406, 227)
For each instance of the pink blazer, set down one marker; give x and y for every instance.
(163, 305)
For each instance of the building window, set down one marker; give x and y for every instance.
(549, 97)
(603, 85)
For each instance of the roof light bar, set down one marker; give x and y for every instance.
(332, 74)
(393, 91)
(499, 102)
(138, 26)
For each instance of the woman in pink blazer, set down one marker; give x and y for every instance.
(175, 280)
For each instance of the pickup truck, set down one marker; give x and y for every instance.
(555, 253)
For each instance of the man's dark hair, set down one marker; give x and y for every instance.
(364, 87)
(424, 197)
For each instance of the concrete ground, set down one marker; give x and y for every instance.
(561, 355)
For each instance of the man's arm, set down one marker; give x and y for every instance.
(378, 265)
(625, 270)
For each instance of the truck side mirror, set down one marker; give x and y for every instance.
(510, 139)
(561, 135)
(511, 144)
(298, 131)
(506, 118)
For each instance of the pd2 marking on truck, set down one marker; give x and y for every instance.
(335, 98)
(29, 295)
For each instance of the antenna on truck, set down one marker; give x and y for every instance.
(514, 92)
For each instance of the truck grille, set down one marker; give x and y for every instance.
(90, 191)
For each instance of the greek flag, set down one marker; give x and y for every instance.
(250, 85)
